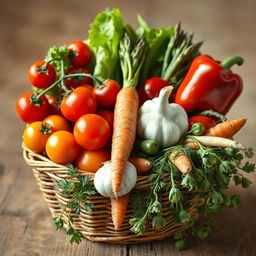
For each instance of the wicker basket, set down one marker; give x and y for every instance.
(97, 224)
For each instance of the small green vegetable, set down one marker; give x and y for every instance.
(149, 147)
(197, 129)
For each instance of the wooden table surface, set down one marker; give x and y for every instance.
(28, 28)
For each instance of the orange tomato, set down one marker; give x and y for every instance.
(35, 136)
(58, 123)
(91, 131)
(62, 148)
(91, 161)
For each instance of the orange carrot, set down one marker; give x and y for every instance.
(191, 144)
(181, 161)
(226, 129)
(142, 165)
(125, 121)
(118, 209)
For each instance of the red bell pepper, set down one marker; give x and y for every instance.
(210, 84)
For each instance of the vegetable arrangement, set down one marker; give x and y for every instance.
(126, 103)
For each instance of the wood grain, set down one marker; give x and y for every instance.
(28, 28)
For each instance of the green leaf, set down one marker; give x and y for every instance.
(184, 216)
(156, 207)
(249, 153)
(203, 232)
(225, 167)
(158, 222)
(215, 199)
(58, 52)
(76, 237)
(180, 244)
(104, 37)
(138, 225)
(70, 230)
(245, 182)
(189, 182)
(237, 179)
(175, 195)
(234, 201)
(248, 167)
(58, 222)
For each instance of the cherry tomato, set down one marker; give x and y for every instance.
(57, 123)
(54, 105)
(108, 116)
(76, 81)
(62, 148)
(91, 161)
(91, 131)
(79, 53)
(88, 86)
(28, 112)
(205, 120)
(41, 76)
(151, 88)
(106, 95)
(78, 103)
(36, 135)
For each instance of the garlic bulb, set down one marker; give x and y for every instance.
(103, 180)
(162, 121)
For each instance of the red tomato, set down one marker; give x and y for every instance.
(205, 120)
(36, 135)
(151, 88)
(76, 81)
(108, 116)
(28, 112)
(41, 76)
(106, 95)
(62, 148)
(91, 161)
(88, 86)
(78, 103)
(79, 53)
(91, 131)
(54, 106)
(57, 123)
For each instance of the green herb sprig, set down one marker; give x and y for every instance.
(213, 170)
(77, 189)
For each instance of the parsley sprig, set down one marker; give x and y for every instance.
(77, 189)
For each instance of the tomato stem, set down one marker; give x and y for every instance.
(62, 75)
(65, 77)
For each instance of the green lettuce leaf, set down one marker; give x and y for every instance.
(104, 37)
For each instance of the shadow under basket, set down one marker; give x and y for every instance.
(97, 224)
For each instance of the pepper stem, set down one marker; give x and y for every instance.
(230, 61)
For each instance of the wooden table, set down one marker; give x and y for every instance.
(28, 28)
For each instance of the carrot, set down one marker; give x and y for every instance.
(126, 107)
(181, 161)
(191, 144)
(142, 165)
(118, 209)
(125, 121)
(226, 129)
(216, 142)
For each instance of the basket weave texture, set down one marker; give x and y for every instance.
(97, 224)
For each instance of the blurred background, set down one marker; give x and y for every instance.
(29, 27)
